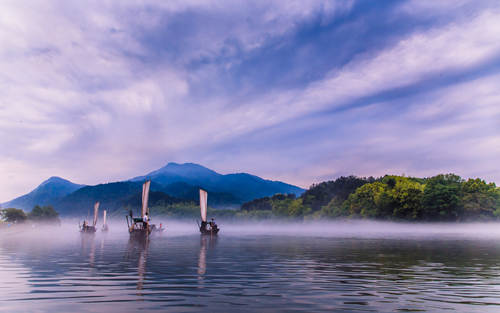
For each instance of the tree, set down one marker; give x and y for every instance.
(322, 194)
(12, 215)
(442, 198)
(45, 213)
(296, 208)
(392, 197)
(365, 200)
(280, 205)
(480, 200)
(402, 198)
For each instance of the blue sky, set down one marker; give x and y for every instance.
(300, 91)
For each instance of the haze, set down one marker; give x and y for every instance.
(68, 231)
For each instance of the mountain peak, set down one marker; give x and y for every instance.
(45, 194)
(183, 169)
(54, 179)
(187, 164)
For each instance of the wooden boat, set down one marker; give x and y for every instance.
(213, 229)
(157, 230)
(105, 227)
(86, 228)
(141, 226)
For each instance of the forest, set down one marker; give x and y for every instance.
(444, 197)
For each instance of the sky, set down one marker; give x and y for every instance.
(299, 91)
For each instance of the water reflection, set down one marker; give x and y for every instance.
(191, 273)
(206, 242)
(138, 246)
(88, 243)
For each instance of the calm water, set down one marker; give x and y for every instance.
(358, 268)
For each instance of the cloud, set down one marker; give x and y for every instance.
(120, 88)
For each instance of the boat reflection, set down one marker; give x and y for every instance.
(206, 243)
(88, 243)
(138, 245)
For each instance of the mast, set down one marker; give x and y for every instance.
(203, 204)
(145, 197)
(96, 209)
(104, 218)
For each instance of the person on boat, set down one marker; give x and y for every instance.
(145, 221)
(212, 224)
(84, 227)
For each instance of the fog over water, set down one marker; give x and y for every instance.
(277, 266)
(344, 228)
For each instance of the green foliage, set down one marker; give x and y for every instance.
(266, 203)
(43, 214)
(366, 201)
(391, 197)
(182, 209)
(280, 206)
(442, 198)
(189, 210)
(297, 208)
(12, 215)
(479, 199)
(323, 193)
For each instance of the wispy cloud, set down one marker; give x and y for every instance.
(294, 90)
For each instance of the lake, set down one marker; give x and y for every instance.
(312, 267)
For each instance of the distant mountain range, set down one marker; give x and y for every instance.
(171, 183)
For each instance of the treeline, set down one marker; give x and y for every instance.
(45, 214)
(445, 197)
(190, 210)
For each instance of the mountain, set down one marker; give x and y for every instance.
(190, 173)
(170, 184)
(48, 192)
(114, 197)
(189, 192)
(242, 186)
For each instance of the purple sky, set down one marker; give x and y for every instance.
(299, 91)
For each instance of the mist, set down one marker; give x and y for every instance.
(69, 230)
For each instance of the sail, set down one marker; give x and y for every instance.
(104, 218)
(203, 204)
(145, 197)
(96, 209)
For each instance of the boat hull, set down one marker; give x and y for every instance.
(139, 232)
(88, 230)
(210, 232)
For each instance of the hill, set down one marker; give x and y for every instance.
(47, 193)
(239, 187)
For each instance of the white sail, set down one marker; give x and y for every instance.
(96, 209)
(145, 197)
(104, 218)
(203, 204)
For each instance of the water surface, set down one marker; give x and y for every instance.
(321, 267)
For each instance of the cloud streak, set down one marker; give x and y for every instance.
(295, 90)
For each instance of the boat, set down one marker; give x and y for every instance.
(157, 230)
(141, 226)
(105, 227)
(212, 229)
(86, 228)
